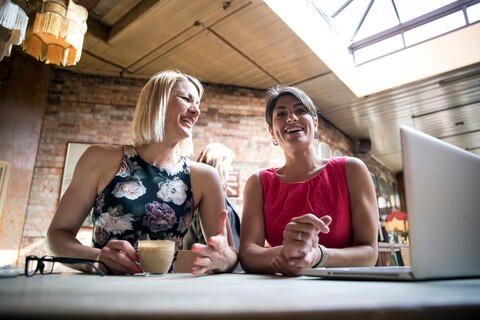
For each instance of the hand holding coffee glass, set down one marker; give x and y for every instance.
(156, 256)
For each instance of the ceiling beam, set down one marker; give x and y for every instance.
(132, 17)
(107, 34)
(228, 43)
(190, 32)
(98, 30)
(311, 78)
(88, 4)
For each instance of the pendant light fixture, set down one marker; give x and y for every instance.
(55, 31)
(13, 23)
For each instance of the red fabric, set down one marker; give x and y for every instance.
(324, 194)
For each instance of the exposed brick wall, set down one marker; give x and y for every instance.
(334, 138)
(23, 96)
(86, 109)
(95, 109)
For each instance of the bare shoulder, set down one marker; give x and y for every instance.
(355, 166)
(357, 175)
(253, 187)
(202, 171)
(203, 176)
(254, 181)
(100, 162)
(103, 151)
(206, 185)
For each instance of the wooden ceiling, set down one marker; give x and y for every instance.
(244, 43)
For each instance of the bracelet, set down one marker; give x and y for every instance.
(323, 250)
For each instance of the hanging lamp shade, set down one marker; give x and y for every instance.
(13, 23)
(396, 221)
(55, 31)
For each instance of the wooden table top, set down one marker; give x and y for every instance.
(234, 296)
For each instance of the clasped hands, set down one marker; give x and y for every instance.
(300, 244)
(216, 256)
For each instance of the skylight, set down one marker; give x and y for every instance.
(374, 28)
(375, 45)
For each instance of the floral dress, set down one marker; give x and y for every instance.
(144, 202)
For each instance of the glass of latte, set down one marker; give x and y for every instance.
(156, 256)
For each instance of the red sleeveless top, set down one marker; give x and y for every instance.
(324, 194)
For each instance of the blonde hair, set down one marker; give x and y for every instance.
(215, 154)
(149, 118)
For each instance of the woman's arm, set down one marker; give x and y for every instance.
(219, 254)
(364, 215)
(94, 170)
(254, 256)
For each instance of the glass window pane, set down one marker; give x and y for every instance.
(397, 198)
(473, 13)
(435, 28)
(329, 7)
(380, 18)
(383, 187)
(325, 151)
(374, 179)
(411, 9)
(382, 203)
(379, 49)
(391, 191)
(348, 20)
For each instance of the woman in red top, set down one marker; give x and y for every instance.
(312, 211)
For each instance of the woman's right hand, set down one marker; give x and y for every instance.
(120, 257)
(301, 235)
(217, 255)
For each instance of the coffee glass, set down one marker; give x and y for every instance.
(156, 256)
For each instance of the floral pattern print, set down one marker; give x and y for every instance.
(132, 189)
(126, 168)
(159, 217)
(185, 222)
(172, 191)
(100, 235)
(144, 202)
(114, 221)
(174, 169)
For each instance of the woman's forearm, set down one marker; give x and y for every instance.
(355, 256)
(257, 259)
(62, 243)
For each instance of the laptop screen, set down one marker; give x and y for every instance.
(442, 188)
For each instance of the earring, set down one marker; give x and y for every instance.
(275, 143)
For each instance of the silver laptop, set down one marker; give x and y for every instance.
(442, 186)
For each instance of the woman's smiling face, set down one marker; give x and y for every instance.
(292, 122)
(183, 110)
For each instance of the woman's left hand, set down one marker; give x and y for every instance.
(217, 256)
(300, 238)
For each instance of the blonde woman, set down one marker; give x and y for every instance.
(149, 190)
(221, 158)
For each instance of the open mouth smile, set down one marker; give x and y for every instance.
(293, 129)
(190, 121)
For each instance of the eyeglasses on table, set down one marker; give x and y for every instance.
(45, 264)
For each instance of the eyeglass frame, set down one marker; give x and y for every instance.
(41, 266)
